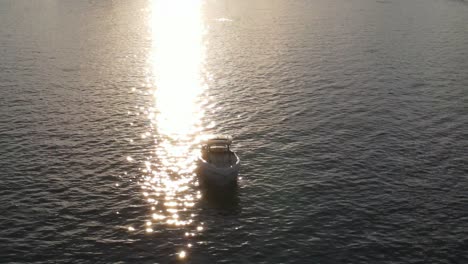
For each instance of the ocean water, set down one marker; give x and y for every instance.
(350, 119)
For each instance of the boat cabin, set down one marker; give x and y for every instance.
(217, 144)
(216, 150)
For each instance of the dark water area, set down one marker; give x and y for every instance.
(350, 119)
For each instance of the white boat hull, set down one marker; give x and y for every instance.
(211, 175)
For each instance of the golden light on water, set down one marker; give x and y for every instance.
(177, 63)
(175, 75)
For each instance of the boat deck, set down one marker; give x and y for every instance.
(221, 159)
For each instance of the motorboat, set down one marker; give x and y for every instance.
(217, 164)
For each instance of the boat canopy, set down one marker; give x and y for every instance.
(219, 140)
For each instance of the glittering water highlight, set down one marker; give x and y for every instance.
(175, 80)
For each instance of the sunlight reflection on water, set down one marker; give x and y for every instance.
(175, 77)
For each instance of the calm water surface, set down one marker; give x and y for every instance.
(350, 118)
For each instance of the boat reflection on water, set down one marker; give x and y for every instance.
(226, 200)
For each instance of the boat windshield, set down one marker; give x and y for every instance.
(218, 148)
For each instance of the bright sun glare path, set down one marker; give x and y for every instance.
(176, 61)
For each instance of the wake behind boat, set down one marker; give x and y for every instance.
(217, 164)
